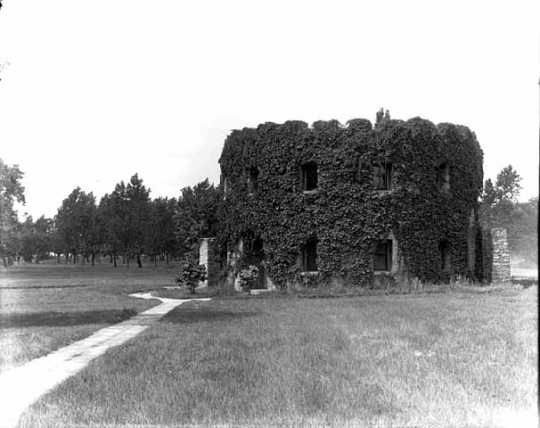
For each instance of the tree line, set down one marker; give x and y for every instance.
(499, 207)
(126, 224)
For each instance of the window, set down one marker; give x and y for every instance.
(382, 258)
(256, 248)
(225, 188)
(382, 176)
(309, 256)
(358, 170)
(444, 250)
(223, 256)
(253, 175)
(443, 177)
(254, 255)
(309, 176)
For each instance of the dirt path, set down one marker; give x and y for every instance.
(21, 386)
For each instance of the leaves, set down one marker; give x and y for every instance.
(190, 273)
(346, 214)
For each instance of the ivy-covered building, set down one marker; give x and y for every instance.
(354, 204)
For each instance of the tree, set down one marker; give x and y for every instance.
(124, 216)
(76, 224)
(11, 190)
(36, 239)
(508, 184)
(499, 208)
(196, 215)
(42, 239)
(160, 239)
(498, 199)
(137, 216)
(110, 223)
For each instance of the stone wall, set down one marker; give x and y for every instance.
(495, 256)
(500, 265)
(207, 257)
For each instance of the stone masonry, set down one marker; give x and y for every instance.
(500, 267)
(207, 258)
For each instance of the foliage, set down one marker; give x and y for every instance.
(125, 218)
(498, 199)
(76, 223)
(11, 190)
(248, 276)
(499, 208)
(345, 213)
(137, 216)
(190, 273)
(160, 239)
(126, 222)
(196, 215)
(36, 238)
(109, 222)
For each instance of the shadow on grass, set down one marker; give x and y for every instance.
(62, 319)
(192, 315)
(33, 287)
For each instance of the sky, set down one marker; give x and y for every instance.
(93, 92)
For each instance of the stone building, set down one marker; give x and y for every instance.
(352, 204)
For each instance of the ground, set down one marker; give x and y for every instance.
(44, 307)
(466, 357)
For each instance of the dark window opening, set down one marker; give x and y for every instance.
(309, 256)
(309, 176)
(444, 251)
(358, 170)
(382, 176)
(253, 175)
(254, 255)
(443, 177)
(256, 247)
(382, 258)
(223, 256)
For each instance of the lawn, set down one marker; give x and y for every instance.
(448, 359)
(44, 307)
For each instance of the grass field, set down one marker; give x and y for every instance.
(452, 359)
(44, 307)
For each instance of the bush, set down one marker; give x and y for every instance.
(248, 276)
(189, 274)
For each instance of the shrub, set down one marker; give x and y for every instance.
(248, 276)
(189, 274)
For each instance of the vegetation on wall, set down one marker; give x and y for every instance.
(345, 213)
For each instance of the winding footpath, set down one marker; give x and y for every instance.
(21, 386)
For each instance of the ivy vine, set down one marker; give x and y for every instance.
(346, 214)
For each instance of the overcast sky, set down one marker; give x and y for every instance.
(95, 91)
